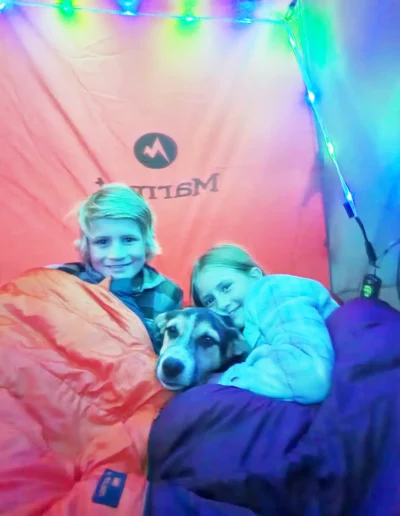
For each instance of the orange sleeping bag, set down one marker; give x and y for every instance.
(78, 396)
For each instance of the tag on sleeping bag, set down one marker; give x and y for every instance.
(109, 488)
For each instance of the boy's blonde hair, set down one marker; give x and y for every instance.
(117, 201)
(226, 255)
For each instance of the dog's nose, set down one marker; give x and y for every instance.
(172, 367)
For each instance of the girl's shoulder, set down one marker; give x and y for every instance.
(278, 289)
(287, 283)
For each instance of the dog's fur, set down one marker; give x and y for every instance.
(195, 344)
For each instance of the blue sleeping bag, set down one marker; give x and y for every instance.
(217, 450)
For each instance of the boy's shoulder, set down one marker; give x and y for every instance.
(154, 280)
(74, 268)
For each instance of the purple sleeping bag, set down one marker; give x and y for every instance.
(217, 450)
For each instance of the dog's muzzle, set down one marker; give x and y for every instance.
(176, 369)
(172, 368)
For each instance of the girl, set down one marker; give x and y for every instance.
(117, 240)
(282, 317)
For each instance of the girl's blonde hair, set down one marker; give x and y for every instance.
(117, 201)
(226, 255)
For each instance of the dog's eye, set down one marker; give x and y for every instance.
(172, 332)
(206, 341)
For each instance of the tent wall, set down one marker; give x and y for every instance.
(78, 93)
(352, 51)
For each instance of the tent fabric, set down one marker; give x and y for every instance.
(78, 395)
(250, 164)
(230, 101)
(223, 451)
(351, 51)
(209, 122)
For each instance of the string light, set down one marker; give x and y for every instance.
(244, 11)
(330, 148)
(311, 96)
(129, 7)
(312, 99)
(292, 11)
(371, 283)
(349, 202)
(4, 4)
(188, 11)
(67, 7)
(188, 17)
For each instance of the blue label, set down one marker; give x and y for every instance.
(109, 488)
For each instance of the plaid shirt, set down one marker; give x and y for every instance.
(148, 295)
(293, 355)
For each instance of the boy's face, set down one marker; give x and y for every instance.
(116, 248)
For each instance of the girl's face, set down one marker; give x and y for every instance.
(223, 289)
(116, 248)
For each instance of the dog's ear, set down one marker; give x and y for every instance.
(160, 322)
(158, 329)
(238, 345)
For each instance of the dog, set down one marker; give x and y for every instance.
(196, 343)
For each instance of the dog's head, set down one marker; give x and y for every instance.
(196, 343)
